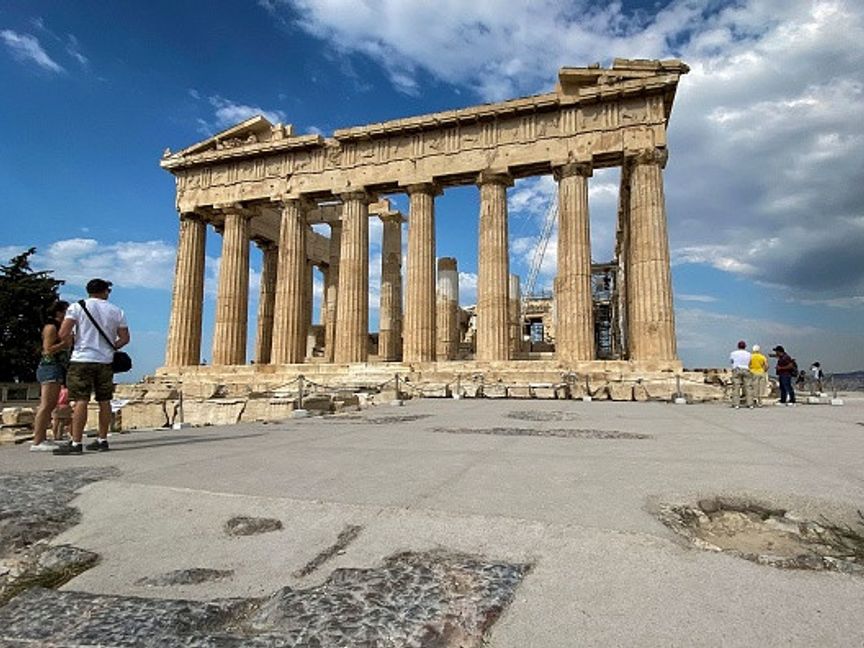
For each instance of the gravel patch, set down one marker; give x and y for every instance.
(246, 526)
(540, 415)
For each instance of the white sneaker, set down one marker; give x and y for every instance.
(45, 446)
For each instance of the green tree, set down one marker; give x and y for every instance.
(24, 297)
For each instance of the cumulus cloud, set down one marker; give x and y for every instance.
(27, 49)
(765, 136)
(130, 264)
(228, 113)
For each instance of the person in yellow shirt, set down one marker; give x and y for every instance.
(758, 374)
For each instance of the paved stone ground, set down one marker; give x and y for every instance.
(569, 519)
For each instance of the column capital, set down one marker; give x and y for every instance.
(392, 217)
(446, 263)
(430, 188)
(657, 156)
(192, 216)
(570, 169)
(236, 208)
(358, 194)
(494, 177)
(264, 244)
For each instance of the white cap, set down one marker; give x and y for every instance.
(756, 347)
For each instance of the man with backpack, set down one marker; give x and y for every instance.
(787, 370)
(99, 329)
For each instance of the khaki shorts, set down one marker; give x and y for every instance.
(86, 378)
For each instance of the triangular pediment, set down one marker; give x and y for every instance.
(251, 131)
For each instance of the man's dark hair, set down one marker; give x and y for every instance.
(96, 286)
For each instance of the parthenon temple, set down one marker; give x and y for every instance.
(260, 183)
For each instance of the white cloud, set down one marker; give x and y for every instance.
(130, 264)
(765, 136)
(227, 113)
(73, 49)
(27, 49)
(704, 299)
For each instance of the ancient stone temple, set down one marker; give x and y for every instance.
(260, 183)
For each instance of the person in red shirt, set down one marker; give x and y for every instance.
(786, 373)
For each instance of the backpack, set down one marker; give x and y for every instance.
(793, 368)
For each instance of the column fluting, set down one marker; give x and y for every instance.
(266, 301)
(447, 306)
(232, 300)
(331, 291)
(288, 325)
(420, 286)
(352, 325)
(514, 312)
(390, 310)
(651, 317)
(574, 330)
(184, 329)
(493, 341)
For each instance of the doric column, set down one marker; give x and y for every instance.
(352, 325)
(650, 315)
(184, 330)
(289, 343)
(514, 312)
(308, 301)
(420, 299)
(493, 341)
(266, 301)
(331, 291)
(448, 308)
(390, 312)
(574, 329)
(232, 300)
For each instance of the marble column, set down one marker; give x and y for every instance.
(331, 291)
(448, 309)
(493, 337)
(184, 330)
(650, 314)
(419, 343)
(390, 311)
(289, 325)
(514, 312)
(266, 301)
(308, 304)
(352, 325)
(232, 299)
(574, 329)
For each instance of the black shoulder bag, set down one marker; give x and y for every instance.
(121, 362)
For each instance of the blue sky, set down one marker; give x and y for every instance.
(764, 190)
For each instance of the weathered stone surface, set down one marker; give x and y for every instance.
(246, 526)
(18, 416)
(191, 576)
(535, 432)
(33, 509)
(414, 599)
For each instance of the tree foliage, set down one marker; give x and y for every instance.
(25, 295)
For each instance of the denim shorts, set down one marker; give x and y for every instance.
(50, 373)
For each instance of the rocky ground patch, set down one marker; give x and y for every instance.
(558, 432)
(768, 535)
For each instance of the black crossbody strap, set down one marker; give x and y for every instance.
(96, 324)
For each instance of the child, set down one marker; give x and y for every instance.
(62, 417)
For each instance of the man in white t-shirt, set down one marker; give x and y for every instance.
(90, 369)
(741, 382)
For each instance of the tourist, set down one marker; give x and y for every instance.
(758, 374)
(90, 369)
(786, 370)
(740, 360)
(62, 417)
(801, 381)
(51, 373)
(818, 377)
